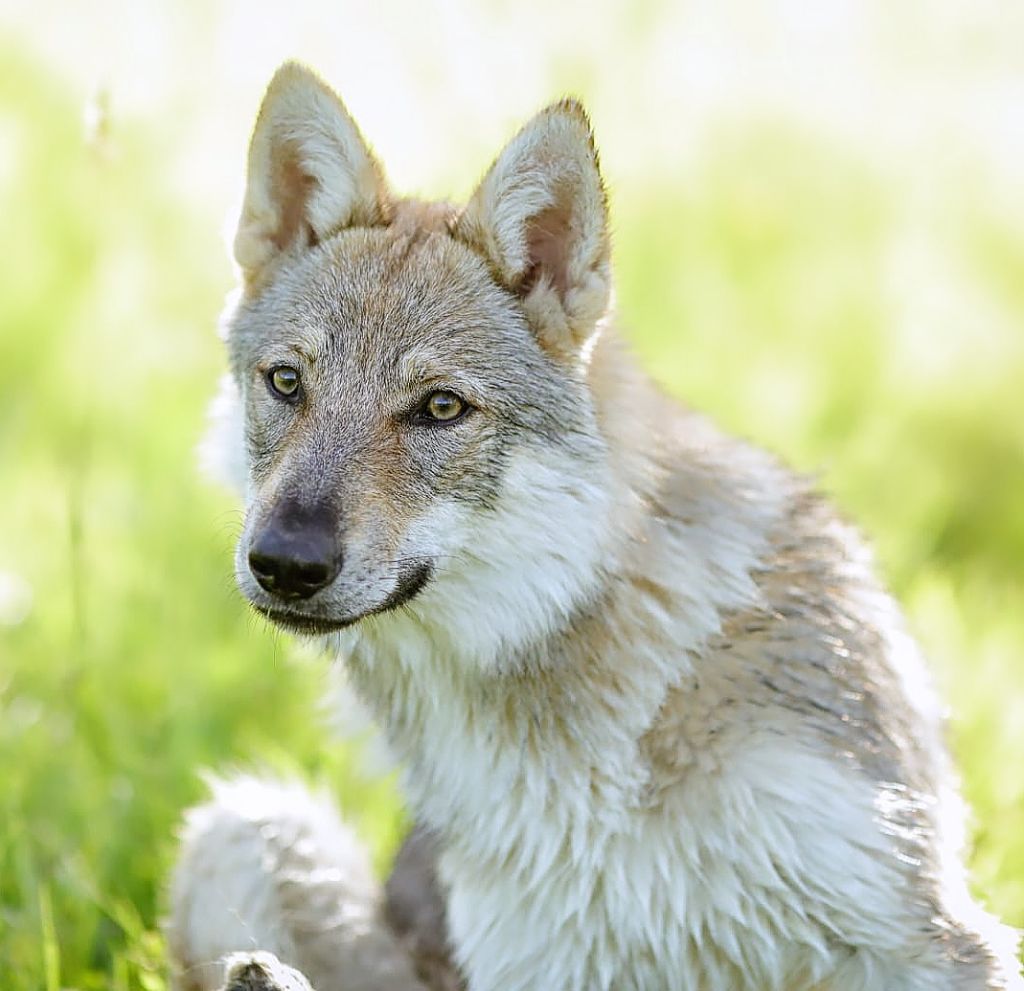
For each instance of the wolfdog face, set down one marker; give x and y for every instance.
(412, 381)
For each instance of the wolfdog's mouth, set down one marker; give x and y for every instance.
(408, 587)
(299, 622)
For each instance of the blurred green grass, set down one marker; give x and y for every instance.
(764, 295)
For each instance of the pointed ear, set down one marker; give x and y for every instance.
(540, 218)
(310, 174)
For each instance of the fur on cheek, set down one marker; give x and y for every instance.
(521, 577)
(222, 449)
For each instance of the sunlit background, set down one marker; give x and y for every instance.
(819, 225)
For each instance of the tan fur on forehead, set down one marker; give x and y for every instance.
(421, 218)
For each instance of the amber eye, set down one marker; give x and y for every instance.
(442, 407)
(284, 380)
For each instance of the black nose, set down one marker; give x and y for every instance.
(294, 555)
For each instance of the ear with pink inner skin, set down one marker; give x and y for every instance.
(310, 174)
(540, 218)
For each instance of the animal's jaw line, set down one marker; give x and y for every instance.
(312, 625)
(299, 622)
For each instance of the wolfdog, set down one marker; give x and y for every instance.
(660, 726)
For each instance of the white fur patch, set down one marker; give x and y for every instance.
(221, 452)
(501, 583)
(737, 884)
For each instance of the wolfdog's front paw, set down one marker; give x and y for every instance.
(261, 972)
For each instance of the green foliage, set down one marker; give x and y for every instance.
(761, 295)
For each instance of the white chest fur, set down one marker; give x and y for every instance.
(569, 881)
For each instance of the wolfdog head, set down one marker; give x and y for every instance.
(410, 381)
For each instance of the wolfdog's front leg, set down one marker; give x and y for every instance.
(267, 866)
(261, 972)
